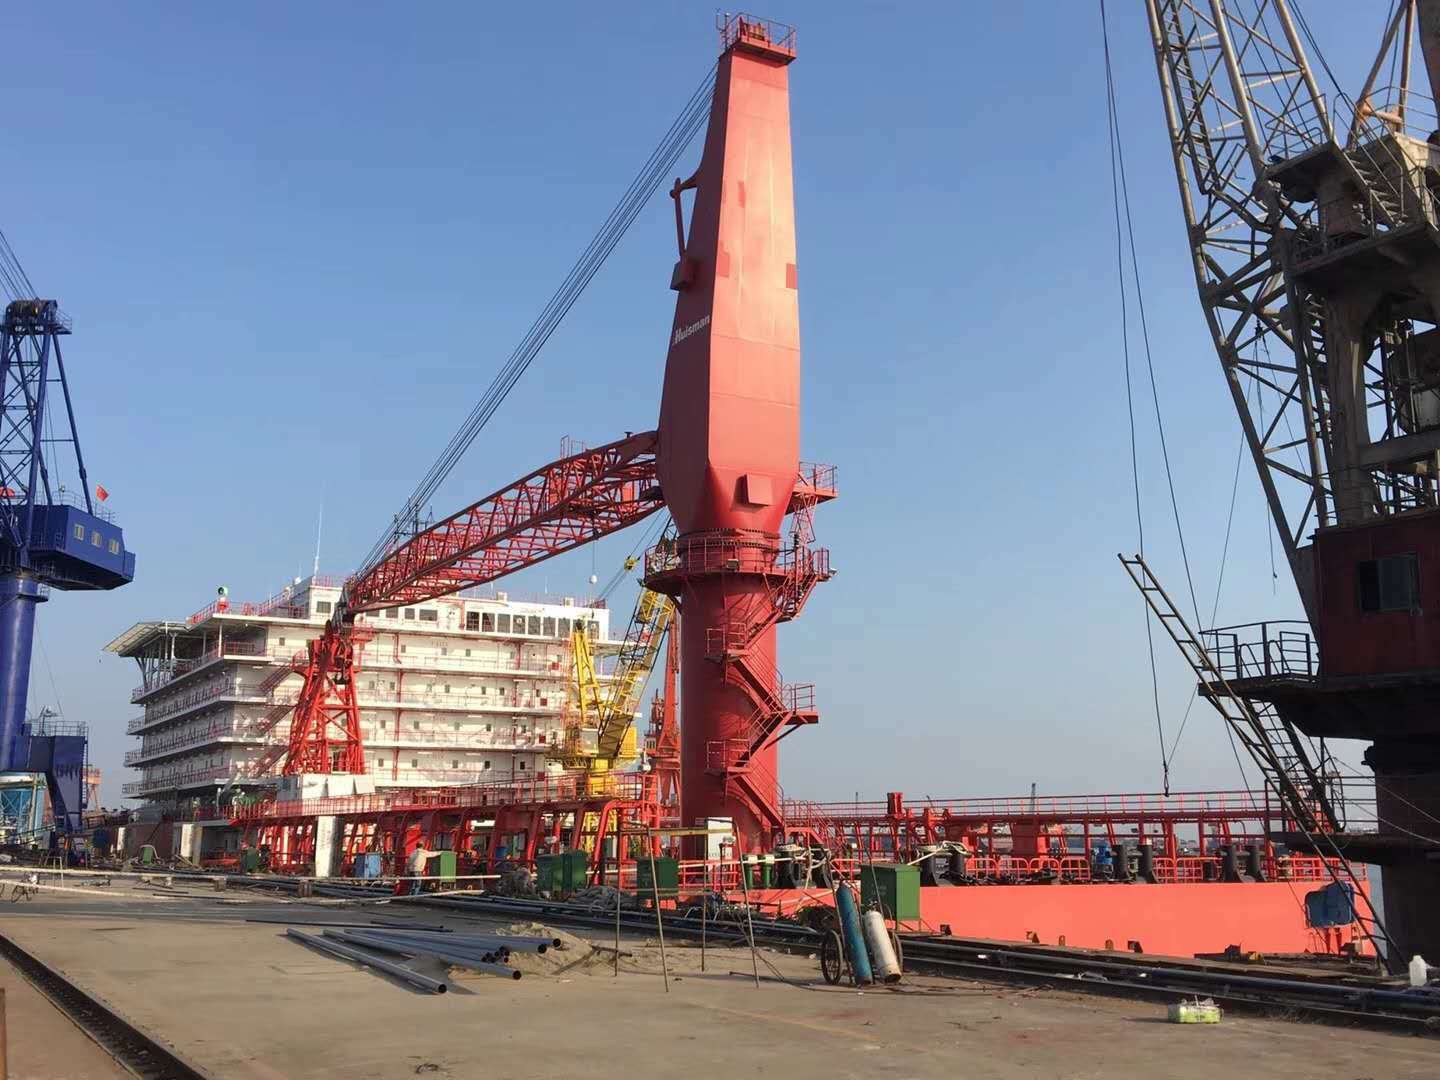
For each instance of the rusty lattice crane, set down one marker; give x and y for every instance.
(1313, 233)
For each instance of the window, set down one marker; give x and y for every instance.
(1389, 583)
(467, 652)
(535, 625)
(447, 687)
(549, 627)
(472, 620)
(415, 725)
(410, 614)
(565, 628)
(392, 613)
(593, 629)
(487, 622)
(444, 650)
(457, 725)
(414, 763)
(487, 728)
(404, 648)
(322, 607)
(95, 538)
(485, 765)
(429, 615)
(79, 532)
(455, 763)
(114, 547)
(502, 623)
(523, 766)
(282, 643)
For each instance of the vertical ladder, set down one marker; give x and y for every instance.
(1271, 741)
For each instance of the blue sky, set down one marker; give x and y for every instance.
(298, 241)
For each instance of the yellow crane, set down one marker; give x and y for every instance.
(602, 736)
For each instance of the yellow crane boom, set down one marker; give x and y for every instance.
(648, 625)
(603, 734)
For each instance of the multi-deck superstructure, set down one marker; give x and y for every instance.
(452, 691)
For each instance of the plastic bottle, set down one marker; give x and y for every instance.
(1419, 971)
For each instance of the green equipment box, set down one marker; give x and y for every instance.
(562, 873)
(895, 886)
(665, 880)
(441, 865)
(249, 860)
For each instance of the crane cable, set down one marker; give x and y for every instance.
(647, 181)
(1120, 195)
(1129, 393)
(12, 275)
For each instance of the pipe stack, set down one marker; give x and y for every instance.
(486, 953)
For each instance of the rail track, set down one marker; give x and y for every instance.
(1322, 996)
(1360, 1001)
(126, 1043)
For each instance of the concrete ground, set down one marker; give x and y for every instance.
(43, 1043)
(240, 1000)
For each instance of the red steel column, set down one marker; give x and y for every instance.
(730, 412)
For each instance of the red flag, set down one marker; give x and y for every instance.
(7, 493)
(101, 493)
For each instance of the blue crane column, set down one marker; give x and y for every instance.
(50, 537)
(19, 595)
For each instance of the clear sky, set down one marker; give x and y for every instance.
(298, 240)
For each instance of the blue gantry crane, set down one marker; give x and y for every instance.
(52, 536)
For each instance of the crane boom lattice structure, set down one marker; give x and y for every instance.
(1314, 231)
(562, 506)
(51, 537)
(1222, 138)
(649, 626)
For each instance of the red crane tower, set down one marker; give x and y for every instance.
(1312, 223)
(725, 461)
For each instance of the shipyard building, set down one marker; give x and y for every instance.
(453, 691)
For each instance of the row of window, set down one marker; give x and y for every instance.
(487, 622)
(381, 763)
(483, 690)
(96, 538)
(491, 622)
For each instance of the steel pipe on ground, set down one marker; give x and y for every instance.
(399, 971)
(497, 941)
(470, 961)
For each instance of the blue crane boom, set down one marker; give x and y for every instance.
(50, 537)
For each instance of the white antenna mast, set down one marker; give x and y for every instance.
(319, 530)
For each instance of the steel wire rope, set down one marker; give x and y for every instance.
(1118, 143)
(648, 536)
(1219, 582)
(1112, 123)
(651, 175)
(13, 273)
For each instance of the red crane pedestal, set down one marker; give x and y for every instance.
(728, 459)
